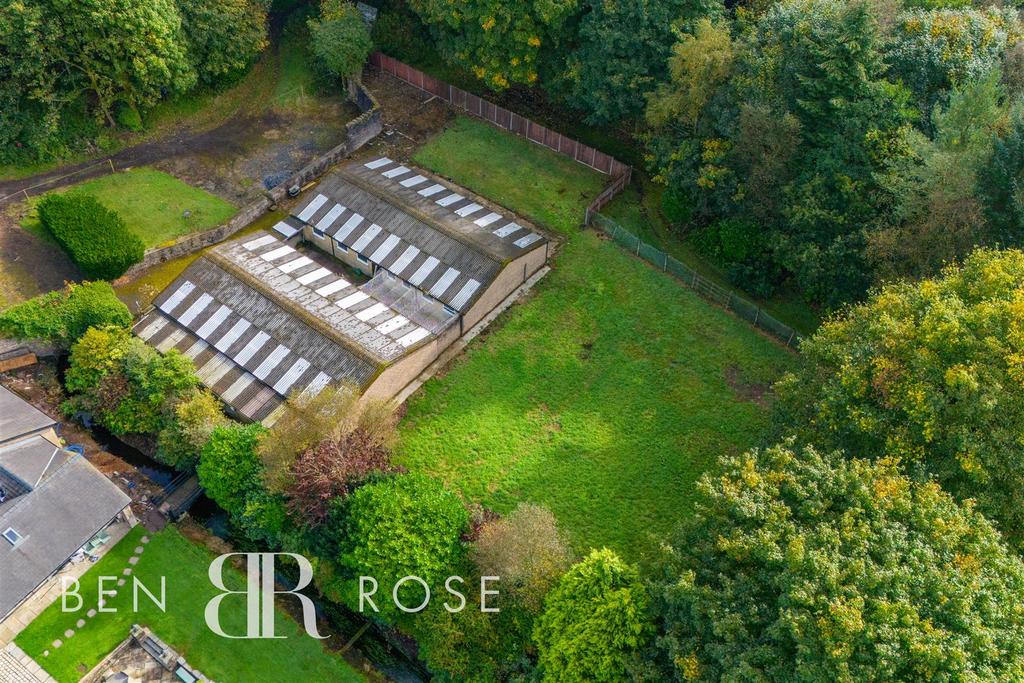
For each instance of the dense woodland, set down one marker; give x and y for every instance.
(867, 152)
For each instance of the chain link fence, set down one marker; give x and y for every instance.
(704, 287)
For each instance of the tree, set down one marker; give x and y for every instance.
(124, 383)
(594, 621)
(339, 38)
(930, 374)
(501, 43)
(223, 36)
(938, 217)
(526, 550)
(331, 469)
(90, 40)
(64, 315)
(187, 430)
(1000, 184)
(933, 51)
(405, 525)
(812, 567)
(620, 54)
(306, 421)
(229, 469)
(699, 64)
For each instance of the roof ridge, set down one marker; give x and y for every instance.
(225, 263)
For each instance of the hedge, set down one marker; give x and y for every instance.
(93, 236)
(63, 316)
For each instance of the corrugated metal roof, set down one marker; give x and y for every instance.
(437, 237)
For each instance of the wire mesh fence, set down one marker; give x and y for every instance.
(711, 291)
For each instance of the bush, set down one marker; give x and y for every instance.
(93, 236)
(406, 525)
(64, 316)
(188, 429)
(339, 39)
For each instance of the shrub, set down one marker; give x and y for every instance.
(594, 621)
(125, 384)
(340, 39)
(64, 316)
(406, 525)
(93, 236)
(188, 428)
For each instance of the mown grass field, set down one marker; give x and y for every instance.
(607, 393)
(296, 658)
(152, 203)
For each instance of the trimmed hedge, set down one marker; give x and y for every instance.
(93, 236)
(64, 316)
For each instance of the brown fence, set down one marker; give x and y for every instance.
(704, 287)
(501, 117)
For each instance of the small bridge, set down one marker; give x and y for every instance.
(179, 495)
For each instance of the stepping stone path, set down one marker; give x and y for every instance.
(127, 571)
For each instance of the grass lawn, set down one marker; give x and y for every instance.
(607, 393)
(638, 210)
(297, 658)
(152, 204)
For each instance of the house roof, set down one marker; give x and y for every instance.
(19, 418)
(438, 237)
(262, 320)
(29, 460)
(54, 520)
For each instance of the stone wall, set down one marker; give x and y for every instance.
(358, 132)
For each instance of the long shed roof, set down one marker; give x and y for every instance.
(440, 238)
(261, 320)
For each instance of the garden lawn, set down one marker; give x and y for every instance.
(606, 394)
(297, 658)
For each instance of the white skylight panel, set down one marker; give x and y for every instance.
(414, 336)
(260, 242)
(352, 299)
(487, 220)
(219, 316)
(280, 252)
(385, 248)
(389, 326)
(450, 199)
(291, 376)
(312, 207)
(377, 163)
(333, 287)
(294, 265)
(444, 282)
(372, 312)
(395, 172)
(232, 335)
(432, 190)
(179, 295)
(312, 276)
(271, 362)
(250, 349)
(197, 307)
(469, 209)
(367, 237)
(423, 271)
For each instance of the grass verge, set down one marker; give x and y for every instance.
(606, 394)
(152, 203)
(185, 566)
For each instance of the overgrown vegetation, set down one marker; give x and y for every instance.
(64, 316)
(93, 236)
